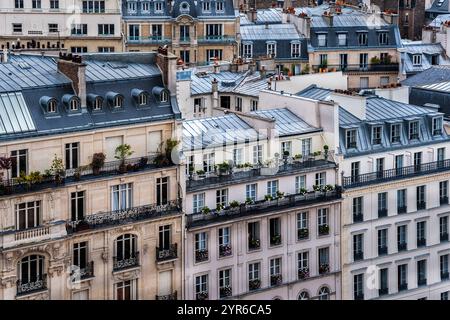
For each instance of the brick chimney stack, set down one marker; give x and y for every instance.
(167, 63)
(72, 66)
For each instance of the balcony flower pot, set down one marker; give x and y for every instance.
(324, 229)
(98, 160)
(303, 273)
(225, 291)
(268, 198)
(275, 240)
(324, 268)
(303, 233)
(205, 210)
(254, 284)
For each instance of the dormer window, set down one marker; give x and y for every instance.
(322, 39)
(140, 97)
(74, 105)
(219, 6)
(115, 100)
(414, 130)
(51, 106)
(383, 38)
(395, 133)
(95, 102)
(158, 7)
(143, 99)
(417, 60)
(71, 102)
(118, 102)
(437, 126)
(350, 139)
(376, 135)
(206, 6)
(184, 7)
(161, 94)
(164, 96)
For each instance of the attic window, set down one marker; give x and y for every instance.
(97, 104)
(350, 139)
(71, 102)
(206, 6)
(74, 105)
(164, 96)
(142, 99)
(118, 102)
(51, 106)
(184, 7)
(414, 130)
(417, 59)
(437, 126)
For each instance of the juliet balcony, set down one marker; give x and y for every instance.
(29, 287)
(262, 206)
(166, 254)
(120, 217)
(395, 174)
(389, 67)
(123, 263)
(148, 40)
(36, 181)
(216, 39)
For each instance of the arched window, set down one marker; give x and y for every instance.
(164, 96)
(304, 295)
(51, 107)
(324, 293)
(143, 99)
(126, 253)
(118, 102)
(31, 274)
(74, 105)
(97, 104)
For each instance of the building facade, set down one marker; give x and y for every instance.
(74, 26)
(90, 200)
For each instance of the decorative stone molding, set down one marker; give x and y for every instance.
(44, 295)
(105, 255)
(56, 271)
(127, 275)
(8, 282)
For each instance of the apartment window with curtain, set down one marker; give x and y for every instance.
(122, 197)
(254, 277)
(302, 225)
(420, 198)
(77, 205)
(251, 192)
(382, 204)
(358, 286)
(224, 242)
(225, 289)
(443, 228)
(357, 209)
(401, 201)
(275, 272)
(201, 247)
(198, 202)
(402, 238)
(421, 272)
(201, 287)
(358, 247)
(303, 265)
(253, 229)
(162, 191)
(322, 221)
(443, 192)
(300, 183)
(272, 188)
(421, 233)
(402, 277)
(382, 242)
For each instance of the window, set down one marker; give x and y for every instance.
(362, 39)
(363, 60)
(402, 277)
(122, 197)
(272, 188)
(421, 234)
(417, 60)
(437, 126)
(383, 38)
(401, 201)
(324, 260)
(440, 156)
(19, 163)
(384, 282)
(271, 49)
(208, 162)
(300, 183)
(105, 29)
(402, 238)
(224, 241)
(443, 192)
(444, 295)
(250, 192)
(72, 155)
(201, 247)
(254, 281)
(413, 130)
(303, 265)
(322, 221)
(77, 205)
(322, 40)
(358, 286)
(357, 209)
(275, 272)
(253, 235)
(213, 54)
(36, 4)
(133, 29)
(53, 27)
(321, 179)
(342, 39)
(51, 106)
(324, 293)
(158, 7)
(376, 135)
(225, 102)
(354, 171)
(420, 197)
(417, 161)
(221, 198)
(302, 225)
(80, 255)
(443, 228)
(78, 49)
(184, 33)
(145, 7)
(343, 61)
(142, 99)
(253, 105)
(79, 29)
(162, 191)
(165, 235)
(31, 273)
(350, 138)
(126, 251)
(201, 287)
(295, 49)
(382, 204)
(323, 60)
(421, 272)
(225, 289)
(74, 104)
(198, 202)
(382, 241)
(206, 6)
(306, 147)
(219, 6)
(275, 231)
(28, 215)
(105, 49)
(247, 50)
(18, 4)
(198, 105)
(380, 167)
(238, 105)
(395, 133)
(399, 164)
(118, 102)
(17, 27)
(237, 156)
(443, 264)
(358, 247)
(286, 146)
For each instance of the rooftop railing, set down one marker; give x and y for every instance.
(394, 174)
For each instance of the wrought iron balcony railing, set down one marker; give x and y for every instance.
(169, 253)
(382, 250)
(170, 296)
(126, 263)
(421, 242)
(118, 217)
(303, 273)
(225, 250)
(444, 275)
(275, 240)
(402, 246)
(216, 39)
(202, 295)
(149, 40)
(302, 233)
(421, 205)
(324, 268)
(359, 217)
(402, 209)
(263, 206)
(383, 291)
(84, 272)
(226, 291)
(357, 67)
(32, 286)
(201, 255)
(276, 279)
(254, 284)
(395, 174)
(382, 213)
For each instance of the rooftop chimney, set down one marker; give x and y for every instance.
(252, 15)
(73, 67)
(5, 55)
(167, 63)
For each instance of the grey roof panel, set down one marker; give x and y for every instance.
(284, 31)
(14, 114)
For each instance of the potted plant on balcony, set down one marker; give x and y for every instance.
(317, 188)
(280, 195)
(200, 174)
(248, 201)
(223, 168)
(303, 233)
(205, 210)
(298, 157)
(234, 204)
(254, 243)
(254, 284)
(324, 268)
(268, 197)
(303, 273)
(57, 169)
(219, 208)
(98, 160)
(6, 164)
(325, 152)
(317, 153)
(303, 191)
(324, 229)
(225, 291)
(328, 188)
(143, 162)
(275, 240)
(123, 151)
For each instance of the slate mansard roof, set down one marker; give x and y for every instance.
(427, 51)
(263, 16)
(26, 82)
(381, 112)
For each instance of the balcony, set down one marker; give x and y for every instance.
(421, 282)
(382, 250)
(421, 242)
(402, 246)
(324, 268)
(276, 280)
(395, 174)
(37, 232)
(261, 207)
(126, 263)
(421, 205)
(254, 284)
(275, 240)
(302, 234)
(201, 295)
(443, 200)
(38, 182)
(359, 217)
(444, 275)
(254, 244)
(24, 288)
(358, 255)
(84, 273)
(225, 292)
(303, 273)
(119, 217)
(401, 210)
(14, 238)
(216, 39)
(225, 250)
(382, 213)
(185, 39)
(324, 230)
(235, 175)
(383, 291)
(201, 255)
(357, 68)
(443, 236)
(149, 40)
(402, 286)
(170, 296)
(169, 253)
